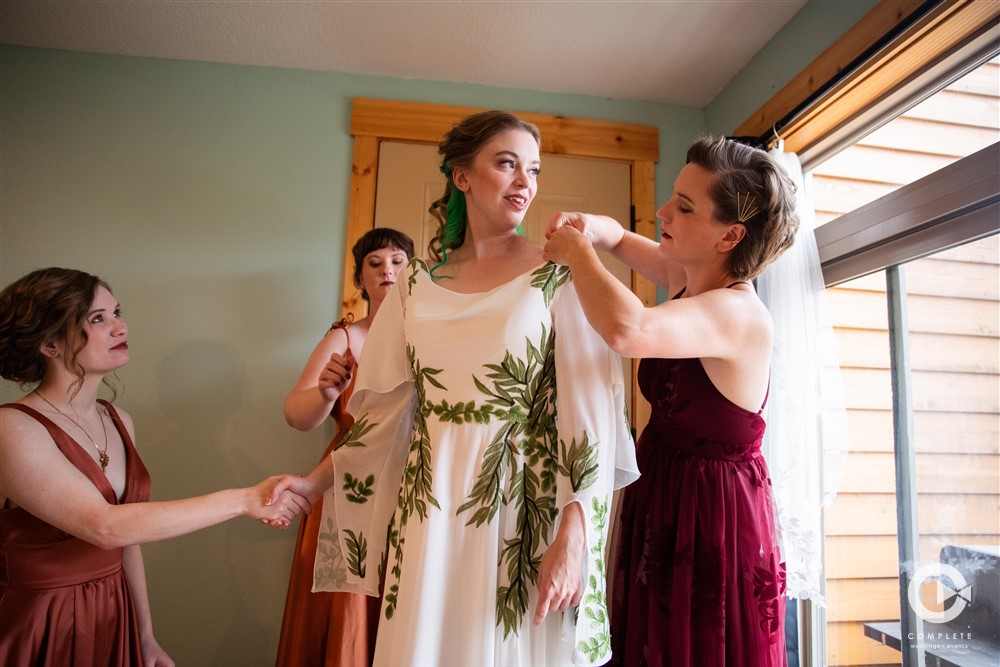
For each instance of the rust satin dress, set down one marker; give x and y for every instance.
(64, 601)
(325, 629)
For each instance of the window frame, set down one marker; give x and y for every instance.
(898, 52)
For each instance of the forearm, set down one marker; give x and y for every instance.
(116, 526)
(307, 409)
(612, 310)
(572, 526)
(642, 256)
(135, 570)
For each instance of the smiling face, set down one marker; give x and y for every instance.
(379, 271)
(502, 181)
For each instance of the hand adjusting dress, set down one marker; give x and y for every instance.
(699, 580)
(479, 417)
(324, 628)
(64, 601)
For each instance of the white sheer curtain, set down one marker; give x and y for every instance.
(806, 437)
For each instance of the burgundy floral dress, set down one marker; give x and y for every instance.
(699, 580)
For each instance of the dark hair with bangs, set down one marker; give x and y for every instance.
(376, 239)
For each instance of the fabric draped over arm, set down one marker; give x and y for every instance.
(596, 455)
(369, 463)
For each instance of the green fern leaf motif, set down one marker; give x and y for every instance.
(548, 279)
(357, 553)
(358, 491)
(594, 603)
(415, 264)
(356, 432)
(579, 463)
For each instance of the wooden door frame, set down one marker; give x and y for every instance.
(375, 120)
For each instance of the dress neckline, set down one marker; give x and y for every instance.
(489, 291)
(100, 479)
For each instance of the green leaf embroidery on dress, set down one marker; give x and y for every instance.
(520, 393)
(523, 399)
(415, 265)
(418, 475)
(357, 553)
(594, 602)
(358, 491)
(535, 516)
(356, 432)
(462, 412)
(329, 571)
(549, 278)
(392, 592)
(579, 463)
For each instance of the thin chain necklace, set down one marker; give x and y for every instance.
(101, 453)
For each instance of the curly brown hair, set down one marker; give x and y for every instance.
(458, 148)
(44, 306)
(743, 173)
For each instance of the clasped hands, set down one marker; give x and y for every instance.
(571, 233)
(284, 497)
(277, 509)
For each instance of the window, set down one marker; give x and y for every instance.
(921, 377)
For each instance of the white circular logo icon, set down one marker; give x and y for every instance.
(950, 584)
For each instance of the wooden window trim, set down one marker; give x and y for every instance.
(374, 120)
(941, 31)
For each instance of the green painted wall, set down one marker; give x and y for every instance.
(800, 41)
(213, 198)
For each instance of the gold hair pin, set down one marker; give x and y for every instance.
(746, 208)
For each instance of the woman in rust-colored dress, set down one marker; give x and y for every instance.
(335, 629)
(73, 489)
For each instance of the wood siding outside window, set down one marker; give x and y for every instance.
(954, 324)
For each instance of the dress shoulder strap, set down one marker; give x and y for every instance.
(33, 413)
(345, 324)
(738, 282)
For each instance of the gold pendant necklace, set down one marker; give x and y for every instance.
(102, 454)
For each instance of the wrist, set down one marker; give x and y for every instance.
(246, 500)
(572, 530)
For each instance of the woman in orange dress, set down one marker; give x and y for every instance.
(73, 489)
(335, 629)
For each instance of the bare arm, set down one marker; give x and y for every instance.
(719, 324)
(325, 376)
(311, 487)
(152, 654)
(560, 573)
(36, 476)
(639, 253)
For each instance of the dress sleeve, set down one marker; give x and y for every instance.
(596, 456)
(368, 464)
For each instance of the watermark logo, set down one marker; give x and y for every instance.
(956, 587)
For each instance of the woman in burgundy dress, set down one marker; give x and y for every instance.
(73, 489)
(327, 628)
(699, 579)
